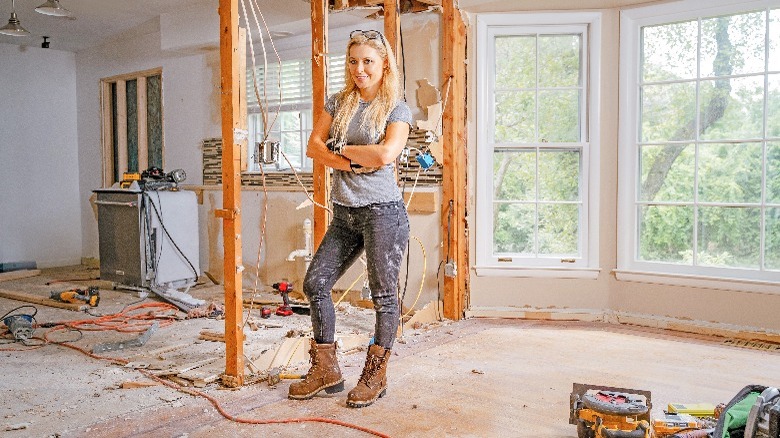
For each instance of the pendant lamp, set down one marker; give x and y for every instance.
(13, 28)
(54, 8)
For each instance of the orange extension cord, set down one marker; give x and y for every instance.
(128, 320)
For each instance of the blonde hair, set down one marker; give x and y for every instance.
(375, 116)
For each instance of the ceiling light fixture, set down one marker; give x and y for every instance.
(54, 8)
(14, 27)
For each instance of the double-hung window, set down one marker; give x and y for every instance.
(537, 144)
(279, 107)
(700, 142)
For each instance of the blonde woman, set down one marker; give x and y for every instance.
(359, 134)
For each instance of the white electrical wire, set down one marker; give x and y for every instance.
(413, 187)
(302, 185)
(263, 104)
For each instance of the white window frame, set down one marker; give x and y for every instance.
(629, 268)
(336, 71)
(586, 265)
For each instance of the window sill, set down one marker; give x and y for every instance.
(517, 272)
(697, 281)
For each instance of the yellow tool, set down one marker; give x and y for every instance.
(90, 296)
(128, 178)
(695, 409)
(671, 424)
(606, 412)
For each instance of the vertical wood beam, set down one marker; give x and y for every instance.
(393, 29)
(242, 102)
(231, 190)
(106, 103)
(121, 126)
(319, 51)
(143, 129)
(454, 178)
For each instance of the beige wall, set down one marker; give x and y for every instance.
(605, 297)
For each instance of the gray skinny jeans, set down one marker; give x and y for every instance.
(383, 231)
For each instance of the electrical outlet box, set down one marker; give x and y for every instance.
(425, 160)
(450, 269)
(365, 293)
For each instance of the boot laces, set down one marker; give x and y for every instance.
(314, 363)
(373, 363)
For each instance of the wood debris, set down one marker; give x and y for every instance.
(132, 384)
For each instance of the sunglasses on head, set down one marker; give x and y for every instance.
(370, 34)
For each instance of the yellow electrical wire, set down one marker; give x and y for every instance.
(422, 281)
(348, 289)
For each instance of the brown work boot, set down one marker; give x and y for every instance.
(323, 374)
(373, 382)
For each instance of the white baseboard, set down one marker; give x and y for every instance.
(626, 318)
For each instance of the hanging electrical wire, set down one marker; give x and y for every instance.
(264, 110)
(422, 280)
(303, 186)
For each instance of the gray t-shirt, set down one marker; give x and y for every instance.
(360, 189)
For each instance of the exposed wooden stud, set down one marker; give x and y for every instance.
(143, 130)
(319, 51)
(121, 126)
(393, 29)
(107, 132)
(454, 181)
(230, 52)
(339, 5)
(242, 100)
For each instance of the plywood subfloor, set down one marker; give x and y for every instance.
(474, 378)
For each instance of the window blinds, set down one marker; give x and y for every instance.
(288, 86)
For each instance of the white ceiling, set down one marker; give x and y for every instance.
(99, 20)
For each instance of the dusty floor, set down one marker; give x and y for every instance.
(473, 378)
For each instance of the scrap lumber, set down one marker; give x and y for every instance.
(184, 368)
(179, 381)
(208, 335)
(157, 353)
(36, 299)
(16, 275)
(291, 351)
(132, 384)
(202, 377)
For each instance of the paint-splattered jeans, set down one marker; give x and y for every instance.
(383, 231)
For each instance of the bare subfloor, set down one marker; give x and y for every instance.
(474, 378)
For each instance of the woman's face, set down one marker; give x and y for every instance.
(367, 68)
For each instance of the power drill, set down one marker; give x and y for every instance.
(90, 296)
(284, 289)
